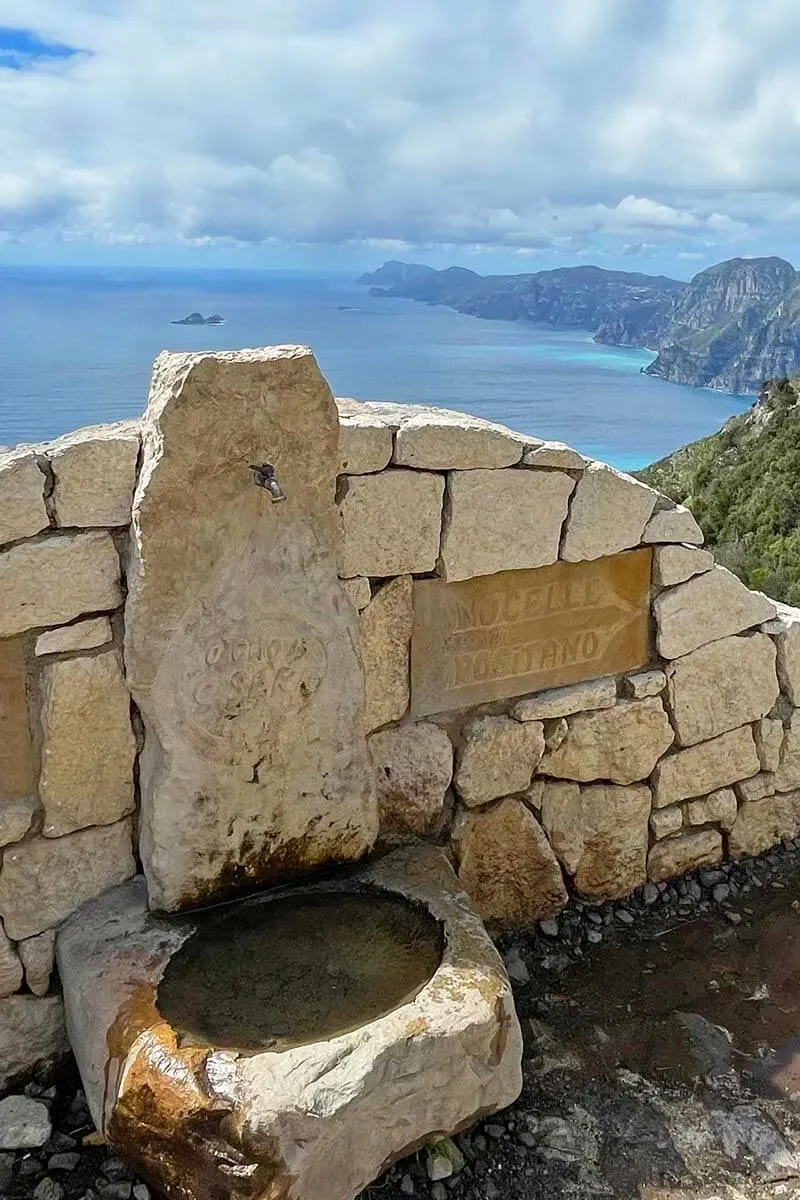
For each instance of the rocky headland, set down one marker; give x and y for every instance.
(733, 326)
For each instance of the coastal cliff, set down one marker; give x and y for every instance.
(731, 327)
(734, 326)
(568, 297)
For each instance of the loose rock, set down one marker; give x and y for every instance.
(24, 1123)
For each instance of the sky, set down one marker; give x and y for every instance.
(502, 135)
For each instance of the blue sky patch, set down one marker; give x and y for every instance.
(21, 48)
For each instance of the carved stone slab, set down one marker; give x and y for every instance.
(519, 631)
(241, 648)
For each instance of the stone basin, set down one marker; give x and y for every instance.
(293, 1044)
(282, 971)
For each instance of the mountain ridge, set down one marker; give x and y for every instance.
(733, 326)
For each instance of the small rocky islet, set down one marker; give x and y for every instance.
(197, 318)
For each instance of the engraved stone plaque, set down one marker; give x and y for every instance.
(520, 631)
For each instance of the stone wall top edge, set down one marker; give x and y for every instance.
(102, 432)
(392, 414)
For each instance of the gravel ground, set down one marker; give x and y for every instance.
(662, 1061)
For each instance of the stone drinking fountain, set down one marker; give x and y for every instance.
(271, 1010)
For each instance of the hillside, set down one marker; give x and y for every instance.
(743, 485)
(731, 327)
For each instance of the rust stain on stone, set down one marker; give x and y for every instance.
(161, 1114)
(267, 861)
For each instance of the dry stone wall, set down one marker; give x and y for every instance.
(561, 686)
(684, 750)
(67, 738)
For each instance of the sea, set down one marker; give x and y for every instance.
(77, 347)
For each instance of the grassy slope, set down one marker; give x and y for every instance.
(743, 485)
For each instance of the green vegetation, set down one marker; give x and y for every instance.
(743, 485)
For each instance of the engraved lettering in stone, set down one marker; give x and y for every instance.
(519, 631)
(236, 688)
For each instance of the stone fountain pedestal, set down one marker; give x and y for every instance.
(289, 1045)
(313, 1121)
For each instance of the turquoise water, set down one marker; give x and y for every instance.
(77, 348)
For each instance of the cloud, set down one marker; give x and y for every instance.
(524, 125)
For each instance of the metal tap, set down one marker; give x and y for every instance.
(264, 476)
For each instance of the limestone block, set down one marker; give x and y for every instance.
(16, 818)
(86, 635)
(756, 787)
(17, 758)
(785, 631)
(562, 821)
(666, 821)
(705, 609)
(609, 513)
(10, 966)
(673, 525)
(88, 747)
(318, 1121)
(241, 650)
(385, 636)
(37, 955)
(358, 591)
(768, 733)
(721, 686)
(565, 701)
(614, 834)
(533, 795)
(56, 580)
(32, 1032)
(702, 769)
(677, 855)
(676, 564)
(502, 521)
(787, 776)
(94, 472)
(24, 1124)
(498, 757)
(444, 441)
(22, 508)
(644, 684)
(554, 733)
(554, 454)
(413, 770)
(720, 808)
(391, 523)
(506, 865)
(599, 834)
(365, 443)
(44, 880)
(761, 824)
(622, 744)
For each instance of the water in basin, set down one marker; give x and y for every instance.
(269, 974)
